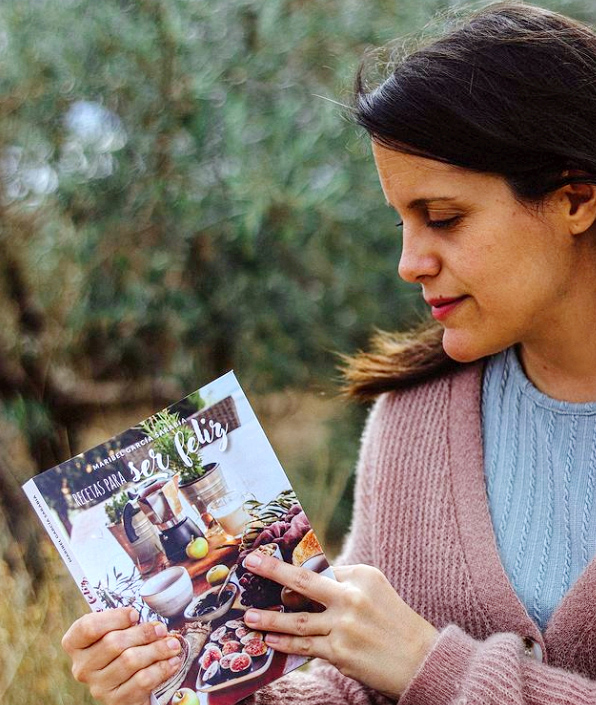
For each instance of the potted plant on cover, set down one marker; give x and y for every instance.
(200, 483)
(114, 509)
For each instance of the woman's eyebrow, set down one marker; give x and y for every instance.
(419, 202)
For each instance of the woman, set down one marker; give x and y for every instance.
(468, 571)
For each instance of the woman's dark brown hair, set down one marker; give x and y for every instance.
(511, 90)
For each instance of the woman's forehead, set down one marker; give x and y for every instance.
(413, 179)
(397, 164)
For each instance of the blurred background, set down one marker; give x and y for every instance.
(181, 193)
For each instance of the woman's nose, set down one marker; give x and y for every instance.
(417, 261)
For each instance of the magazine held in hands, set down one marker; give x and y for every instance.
(161, 517)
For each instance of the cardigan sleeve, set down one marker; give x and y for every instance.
(322, 684)
(462, 671)
(458, 671)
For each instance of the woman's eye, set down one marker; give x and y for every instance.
(445, 223)
(399, 224)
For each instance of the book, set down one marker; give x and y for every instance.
(161, 517)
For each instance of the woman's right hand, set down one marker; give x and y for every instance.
(120, 660)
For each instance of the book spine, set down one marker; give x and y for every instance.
(60, 540)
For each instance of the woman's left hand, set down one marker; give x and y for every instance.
(367, 631)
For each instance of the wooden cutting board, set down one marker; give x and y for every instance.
(221, 550)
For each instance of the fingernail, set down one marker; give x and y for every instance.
(272, 639)
(252, 617)
(133, 616)
(160, 629)
(174, 661)
(173, 644)
(253, 560)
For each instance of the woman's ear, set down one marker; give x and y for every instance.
(579, 206)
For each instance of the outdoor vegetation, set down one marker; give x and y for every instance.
(182, 192)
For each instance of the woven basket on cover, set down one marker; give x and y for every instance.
(223, 412)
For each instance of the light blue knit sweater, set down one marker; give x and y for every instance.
(540, 466)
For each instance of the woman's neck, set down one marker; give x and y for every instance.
(560, 357)
(568, 375)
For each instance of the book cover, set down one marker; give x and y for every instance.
(161, 517)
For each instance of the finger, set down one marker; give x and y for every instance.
(306, 582)
(136, 689)
(94, 626)
(100, 654)
(140, 658)
(343, 572)
(299, 623)
(308, 646)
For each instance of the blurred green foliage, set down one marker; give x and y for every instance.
(193, 202)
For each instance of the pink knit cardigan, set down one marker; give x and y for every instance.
(421, 516)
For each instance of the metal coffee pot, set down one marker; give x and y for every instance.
(159, 500)
(142, 537)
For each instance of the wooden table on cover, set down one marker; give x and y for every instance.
(222, 549)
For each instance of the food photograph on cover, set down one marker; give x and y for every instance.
(162, 517)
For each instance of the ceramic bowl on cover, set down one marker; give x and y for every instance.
(168, 592)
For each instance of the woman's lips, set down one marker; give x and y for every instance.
(441, 308)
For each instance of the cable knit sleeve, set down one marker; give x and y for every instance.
(458, 671)
(462, 671)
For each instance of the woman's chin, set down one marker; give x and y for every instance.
(463, 347)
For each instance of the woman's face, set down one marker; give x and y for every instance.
(493, 271)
